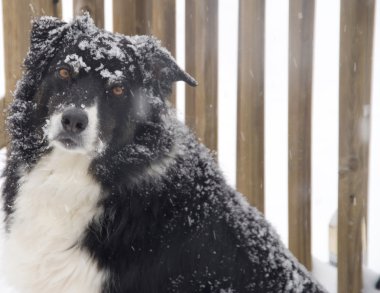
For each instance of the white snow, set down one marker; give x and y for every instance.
(101, 52)
(328, 276)
(76, 63)
(111, 76)
(101, 66)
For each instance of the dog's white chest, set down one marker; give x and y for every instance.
(56, 202)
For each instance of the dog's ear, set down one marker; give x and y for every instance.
(158, 66)
(45, 28)
(45, 36)
(166, 68)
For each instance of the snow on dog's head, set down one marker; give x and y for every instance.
(90, 91)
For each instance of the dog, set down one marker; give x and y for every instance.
(106, 191)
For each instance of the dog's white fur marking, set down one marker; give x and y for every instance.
(56, 202)
(90, 135)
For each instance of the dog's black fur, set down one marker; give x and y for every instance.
(170, 222)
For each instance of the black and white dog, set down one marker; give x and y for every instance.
(105, 191)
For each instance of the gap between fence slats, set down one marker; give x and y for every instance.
(17, 17)
(301, 35)
(202, 63)
(94, 7)
(356, 39)
(250, 116)
(148, 17)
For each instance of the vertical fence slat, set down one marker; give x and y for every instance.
(163, 26)
(250, 118)
(152, 17)
(356, 39)
(202, 63)
(301, 34)
(94, 7)
(148, 17)
(17, 16)
(129, 17)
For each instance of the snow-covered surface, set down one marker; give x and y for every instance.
(327, 275)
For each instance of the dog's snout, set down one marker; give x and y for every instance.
(74, 120)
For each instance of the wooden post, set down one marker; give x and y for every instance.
(17, 16)
(202, 63)
(163, 26)
(162, 22)
(148, 17)
(250, 117)
(301, 35)
(94, 7)
(356, 39)
(130, 17)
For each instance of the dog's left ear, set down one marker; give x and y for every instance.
(158, 66)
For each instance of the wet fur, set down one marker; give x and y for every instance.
(161, 217)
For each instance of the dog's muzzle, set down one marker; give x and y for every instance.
(74, 121)
(74, 129)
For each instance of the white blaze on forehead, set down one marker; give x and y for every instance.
(90, 136)
(77, 63)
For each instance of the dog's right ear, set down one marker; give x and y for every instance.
(45, 36)
(45, 28)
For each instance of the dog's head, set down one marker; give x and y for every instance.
(87, 90)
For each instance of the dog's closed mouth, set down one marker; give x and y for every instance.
(69, 142)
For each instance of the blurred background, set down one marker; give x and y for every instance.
(204, 38)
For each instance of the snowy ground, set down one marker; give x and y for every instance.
(327, 275)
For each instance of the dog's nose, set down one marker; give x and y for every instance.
(74, 120)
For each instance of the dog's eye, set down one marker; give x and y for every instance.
(63, 73)
(118, 90)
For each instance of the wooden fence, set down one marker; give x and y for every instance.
(157, 17)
